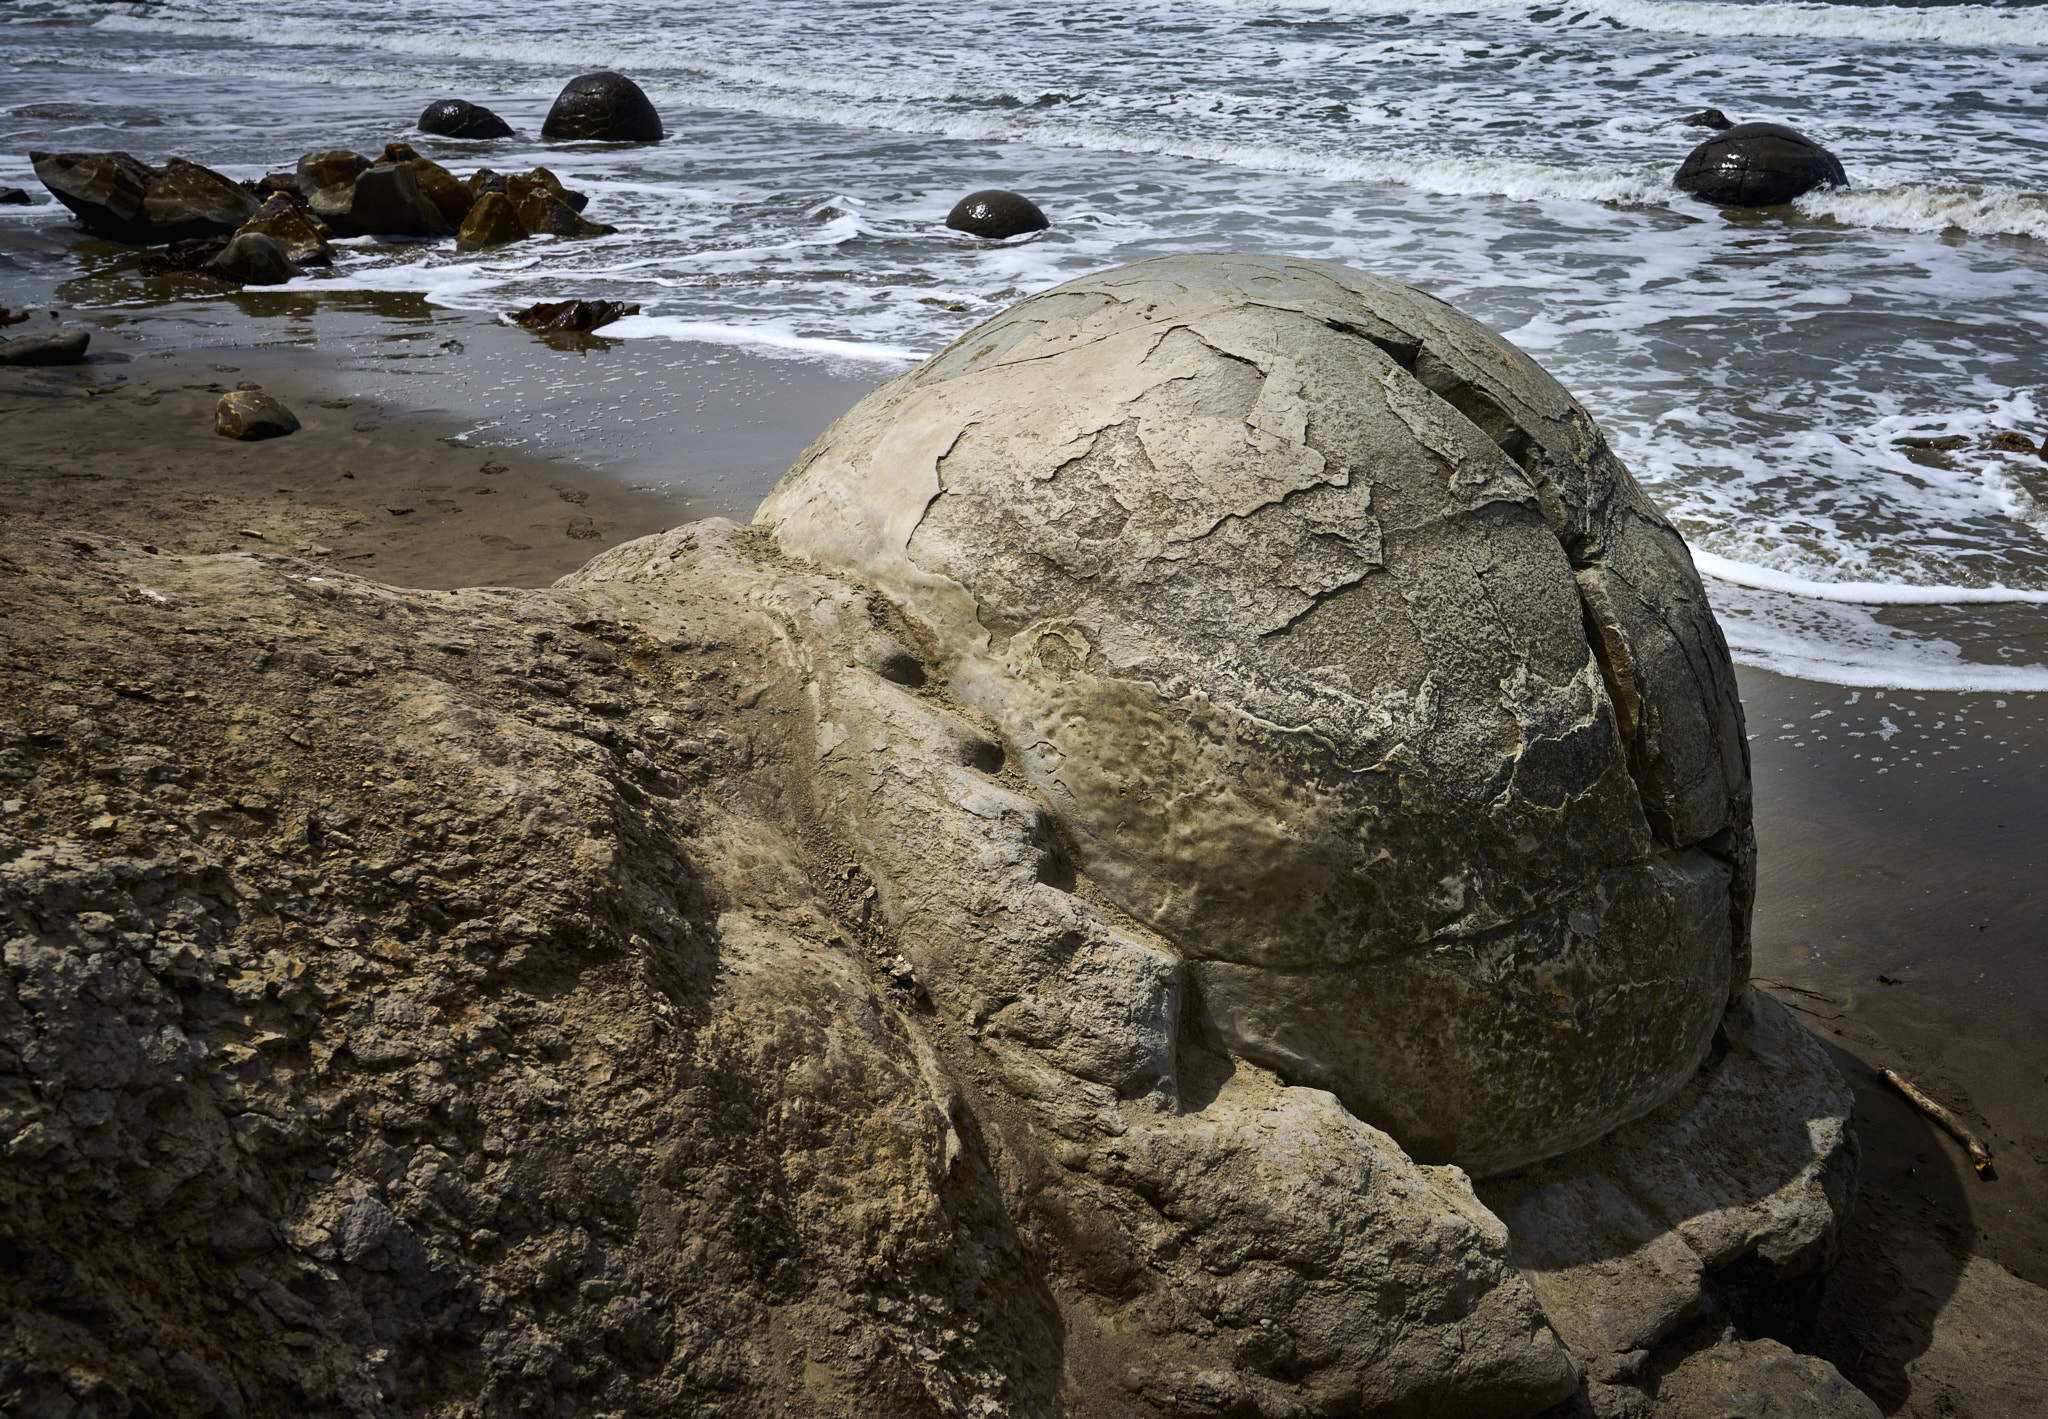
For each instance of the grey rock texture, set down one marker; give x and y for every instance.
(1351, 661)
(1757, 165)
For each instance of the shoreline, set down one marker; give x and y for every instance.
(1938, 1298)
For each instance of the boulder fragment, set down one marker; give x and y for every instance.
(190, 201)
(58, 347)
(105, 190)
(250, 414)
(13, 197)
(574, 317)
(442, 188)
(996, 214)
(253, 258)
(604, 107)
(459, 118)
(491, 222)
(1758, 165)
(291, 226)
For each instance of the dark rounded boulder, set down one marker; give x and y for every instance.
(253, 259)
(59, 347)
(1708, 118)
(996, 214)
(459, 118)
(1758, 165)
(603, 108)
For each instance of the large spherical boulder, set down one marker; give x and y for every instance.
(1758, 165)
(604, 108)
(1351, 659)
(996, 214)
(459, 118)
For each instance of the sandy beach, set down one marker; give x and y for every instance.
(1899, 910)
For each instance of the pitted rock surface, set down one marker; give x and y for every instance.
(1350, 660)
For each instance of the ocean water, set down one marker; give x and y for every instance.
(1755, 369)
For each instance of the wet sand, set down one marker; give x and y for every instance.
(1903, 907)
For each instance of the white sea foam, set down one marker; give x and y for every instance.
(1862, 593)
(761, 337)
(1845, 645)
(1915, 207)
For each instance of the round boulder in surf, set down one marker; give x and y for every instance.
(996, 214)
(459, 118)
(1758, 165)
(604, 108)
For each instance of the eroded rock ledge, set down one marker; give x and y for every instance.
(660, 994)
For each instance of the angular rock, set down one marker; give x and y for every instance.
(191, 254)
(104, 190)
(459, 118)
(291, 226)
(484, 180)
(13, 197)
(543, 213)
(996, 214)
(451, 198)
(253, 259)
(327, 181)
(251, 414)
(1474, 859)
(491, 222)
(1758, 165)
(189, 201)
(572, 316)
(1708, 118)
(58, 347)
(604, 108)
(546, 178)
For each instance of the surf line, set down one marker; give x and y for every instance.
(1862, 593)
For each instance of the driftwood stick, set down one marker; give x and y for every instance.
(1980, 1156)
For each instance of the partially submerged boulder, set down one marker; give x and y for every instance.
(104, 190)
(996, 214)
(13, 197)
(1758, 165)
(459, 118)
(1354, 663)
(605, 108)
(250, 414)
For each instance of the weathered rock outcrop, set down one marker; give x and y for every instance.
(1758, 165)
(292, 228)
(253, 258)
(190, 201)
(54, 347)
(359, 198)
(1353, 662)
(459, 118)
(605, 108)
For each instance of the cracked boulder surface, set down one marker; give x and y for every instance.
(1351, 663)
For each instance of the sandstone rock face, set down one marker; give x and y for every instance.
(459, 118)
(1758, 165)
(1351, 661)
(996, 214)
(603, 107)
